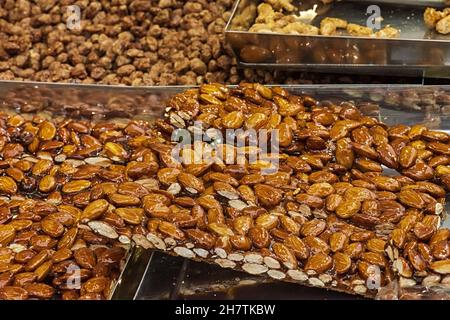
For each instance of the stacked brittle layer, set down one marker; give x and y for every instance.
(329, 216)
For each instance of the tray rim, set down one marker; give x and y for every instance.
(331, 37)
(409, 69)
(174, 88)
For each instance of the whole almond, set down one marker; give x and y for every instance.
(7, 185)
(52, 227)
(323, 176)
(353, 250)
(342, 262)
(95, 285)
(268, 195)
(241, 242)
(191, 182)
(43, 270)
(115, 151)
(290, 225)
(386, 183)
(298, 247)
(359, 194)
(285, 135)
(171, 230)
(76, 186)
(21, 224)
(220, 229)
(333, 201)
(362, 235)
(423, 231)
(61, 255)
(439, 147)
(123, 200)
(24, 256)
(233, 120)
(168, 176)
(365, 151)
(365, 269)
(85, 258)
(436, 135)
(416, 260)
(47, 131)
(440, 235)
(362, 135)
(431, 188)
(419, 171)
(319, 263)
(411, 198)
(376, 245)
(255, 121)
(337, 241)
(316, 245)
(320, 189)
(259, 236)
(226, 190)
(267, 221)
(47, 184)
(201, 238)
(344, 153)
(7, 234)
(247, 193)
(341, 128)
(313, 228)
(374, 258)
(40, 290)
(366, 165)
(441, 267)
(310, 201)
(408, 156)
(387, 156)
(370, 208)
(348, 208)
(285, 255)
(224, 177)
(398, 237)
(242, 224)
(13, 293)
(68, 238)
(6, 278)
(131, 215)
(425, 252)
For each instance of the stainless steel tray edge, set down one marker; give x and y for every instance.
(404, 56)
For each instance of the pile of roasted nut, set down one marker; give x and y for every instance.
(129, 42)
(438, 20)
(132, 42)
(272, 17)
(76, 193)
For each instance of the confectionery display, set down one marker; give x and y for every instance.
(76, 192)
(174, 127)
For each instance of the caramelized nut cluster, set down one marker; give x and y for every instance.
(74, 191)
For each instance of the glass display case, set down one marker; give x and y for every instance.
(150, 274)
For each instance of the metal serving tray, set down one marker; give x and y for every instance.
(154, 275)
(434, 3)
(417, 52)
